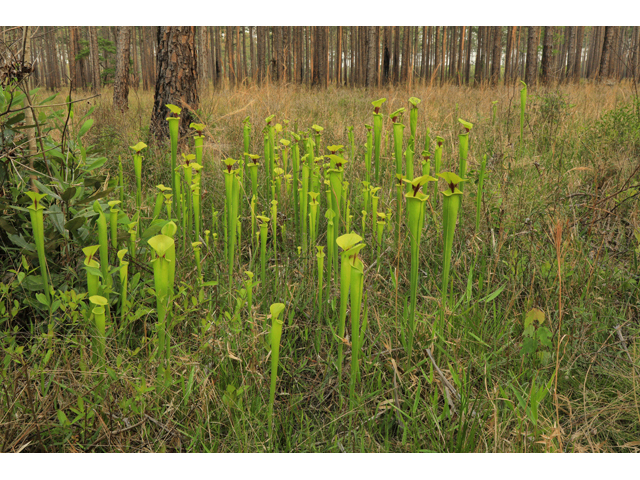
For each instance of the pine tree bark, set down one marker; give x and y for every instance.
(605, 59)
(260, 54)
(477, 74)
(121, 83)
(309, 55)
(74, 68)
(436, 61)
(444, 55)
(396, 55)
(547, 56)
(531, 75)
(231, 71)
(151, 41)
(237, 55)
(135, 77)
(460, 65)
(252, 49)
(177, 79)
(497, 55)
(578, 54)
(404, 60)
(143, 58)
(467, 68)
(202, 58)
(570, 32)
(325, 56)
(372, 78)
(508, 56)
(243, 40)
(453, 52)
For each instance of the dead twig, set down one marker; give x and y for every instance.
(447, 384)
(623, 342)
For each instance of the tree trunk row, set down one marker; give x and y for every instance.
(88, 58)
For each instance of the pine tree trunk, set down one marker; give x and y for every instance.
(74, 70)
(252, 49)
(260, 53)
(378, 39)
(135, 78)
(578, 54)
(143, 58)
(309, 55)
(245, 64)
(571, 52)
(605, 59)
(231, 70)
(461, 51)
(339, 56)
(436, 56)
(237, 55)
(121, 83)
(497, 55)
(467, 68)
(202, 58)
(152, 42)
(372, 79)
(477, 74)
(547, 56)
(396, 55)
(443, 56)
(508, 56)
(531, 75)
(325, 56)
(177, 79)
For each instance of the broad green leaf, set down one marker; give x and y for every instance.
(85, 128)
(46, 190)
(68, 194)
(534, 315)
(42, 299)
(97, 163)
(75, 224)
(544, 335)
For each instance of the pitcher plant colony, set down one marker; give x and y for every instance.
(178, 230)
(282, 242)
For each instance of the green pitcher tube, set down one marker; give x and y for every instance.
(36, 214)
(174, 126)
(276, 334)
(398, 129)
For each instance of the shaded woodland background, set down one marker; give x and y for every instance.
(86, 57)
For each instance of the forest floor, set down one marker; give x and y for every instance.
(559, 233)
